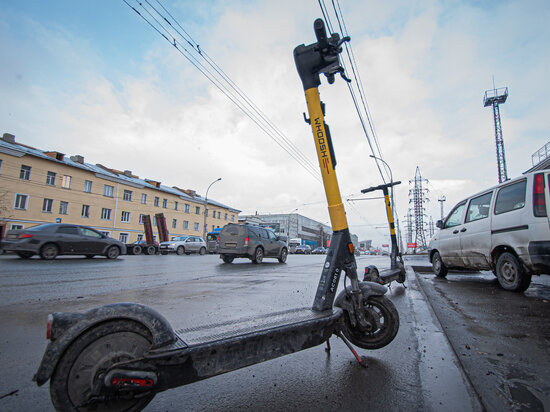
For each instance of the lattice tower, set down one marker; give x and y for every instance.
(418, 196)
(494, 98)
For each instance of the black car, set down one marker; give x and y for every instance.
(319, 251)
(52, 239)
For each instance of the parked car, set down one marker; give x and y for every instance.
(303, 250)
(319, 251)
(183, 244)
(505, 228)
(252, 242)
(53, 239)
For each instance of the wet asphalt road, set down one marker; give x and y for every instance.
(420, 370)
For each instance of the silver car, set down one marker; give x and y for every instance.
(183, 244)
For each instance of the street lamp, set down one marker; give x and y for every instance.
(206, 206)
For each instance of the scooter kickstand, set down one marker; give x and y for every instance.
(362, 360)
(327, 349)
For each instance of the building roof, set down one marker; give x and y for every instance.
(9, 146)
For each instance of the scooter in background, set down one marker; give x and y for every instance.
(396, 272)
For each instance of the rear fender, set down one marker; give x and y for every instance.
(367, 288)
(161, 331)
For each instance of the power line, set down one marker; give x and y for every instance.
(220, 79)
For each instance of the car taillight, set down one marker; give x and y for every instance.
(539, 202)
(246, 241)
(25, 235)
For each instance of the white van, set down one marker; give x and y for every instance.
(505, 229)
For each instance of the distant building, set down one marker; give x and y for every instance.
(39, 186)
(294, 225)
(365, 244)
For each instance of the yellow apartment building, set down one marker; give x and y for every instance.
(45, 187)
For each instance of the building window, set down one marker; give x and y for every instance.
(196, 227)
(88, 186)
(226, 216)
(105, 214)
(63, 208)
(165, 203)
(175, 205)
(141, 217)
(174, 223)
(85, 211)
(15, 226)
(197, 210)
(157, 200)
(108, 190)
(144, 198)
(123, 237)
(20, 201)
(66, 182)
(185, 225)
(108, 234)
(47, 205)
(232, 218)
(125, 217)
(127, 195)
(50, 178)
(25, 172)
(139, 237)
(154, 220)
(187, 208)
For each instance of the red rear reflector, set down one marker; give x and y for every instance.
(539, 202)
(350, 247)
(366, 271)
(25, 235)
(49, 327)
(246, 241)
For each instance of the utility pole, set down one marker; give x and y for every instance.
(441, 200)
(494, 98)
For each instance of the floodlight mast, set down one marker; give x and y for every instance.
(494, 97)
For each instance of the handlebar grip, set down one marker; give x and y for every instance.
(320, 33)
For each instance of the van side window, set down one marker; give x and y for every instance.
(511, 197)
(455, 218)
(479, 207)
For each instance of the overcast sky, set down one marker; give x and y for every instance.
(92, 78)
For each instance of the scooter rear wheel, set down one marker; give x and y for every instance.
(85, 361)
(381, 313)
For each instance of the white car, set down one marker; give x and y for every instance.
(184, 244)
(505, 229)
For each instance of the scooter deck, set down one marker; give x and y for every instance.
(252, 325)
(208, 350)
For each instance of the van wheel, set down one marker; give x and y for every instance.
(510, 273)
(258, 255)
(228, 259)
(283, 255)
(439, 268)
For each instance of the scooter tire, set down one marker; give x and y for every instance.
(110, 342)
(381, 313)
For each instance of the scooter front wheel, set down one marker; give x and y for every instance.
(83, 365)
(383, 318)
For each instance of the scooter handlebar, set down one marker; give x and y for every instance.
(380, 187)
